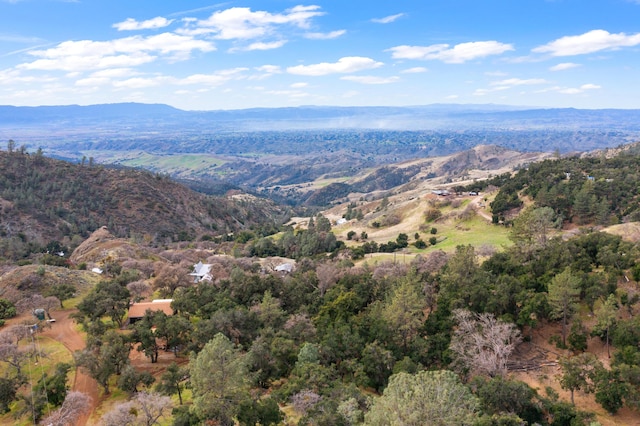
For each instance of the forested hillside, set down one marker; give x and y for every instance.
(594, 189)
(43, 200)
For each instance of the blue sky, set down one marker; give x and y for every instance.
(198, 55)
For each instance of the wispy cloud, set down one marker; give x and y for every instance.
(579, 90)
(457, 54)
(325, 36)
(368, 79)
(19, 39)
(344, 65)
(509, 83)
(414, 70)
(271, 69)
(590, 42)
(564, 66)
(260, 45)
(388, 19)
(214, 79)
(131, 24)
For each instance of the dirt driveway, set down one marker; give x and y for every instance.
(64, 331)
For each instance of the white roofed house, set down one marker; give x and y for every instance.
(201, 272)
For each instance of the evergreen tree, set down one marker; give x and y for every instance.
(564, 294)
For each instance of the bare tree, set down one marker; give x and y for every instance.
(328, 274)
(19, 331)
(37, 301)
(305, 400)
(123, 414)
(139, 290)
(75, 405)
(146, 408)
(169, 278)
(13, 356)
(431, 262)
(482, 343)
(389, 270)
(152, 405)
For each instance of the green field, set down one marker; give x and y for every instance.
(172, 164)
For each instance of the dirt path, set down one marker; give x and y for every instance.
(64, 331)
(476, 205)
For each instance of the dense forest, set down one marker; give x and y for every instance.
(583, 190)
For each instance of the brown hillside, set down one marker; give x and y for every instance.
(42, 199)
(24, 281)
(102, 245)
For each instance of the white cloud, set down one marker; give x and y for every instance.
(344, 65)
(388, 19)
(123, 52)
(590, 42)
(578, 90)
(289, 93)
(368, 79)
(325, 36)
(497, 86)
(564, 66)
(114, 73)
(11, 77)
(457, 54)
(298, 85)
(414, 70)
(271, 69)
(512, 82)
(259, 45)
(215, 79)
(139, 82)
(451, 97)
(131, 24)
(93, 81)
(243, 23)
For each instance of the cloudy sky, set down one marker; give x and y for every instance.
(198, 55)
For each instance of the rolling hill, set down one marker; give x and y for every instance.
(43, 199)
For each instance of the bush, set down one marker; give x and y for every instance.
(432, 214)
(433, 241)
(419, 244)
(390, 220)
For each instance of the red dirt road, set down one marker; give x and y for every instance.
(64, 331)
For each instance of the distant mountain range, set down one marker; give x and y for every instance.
(428, 117)
(276, 151)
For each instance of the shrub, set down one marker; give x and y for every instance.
(432, 214)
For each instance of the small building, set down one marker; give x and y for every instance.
(137, 310)
(201, 271)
